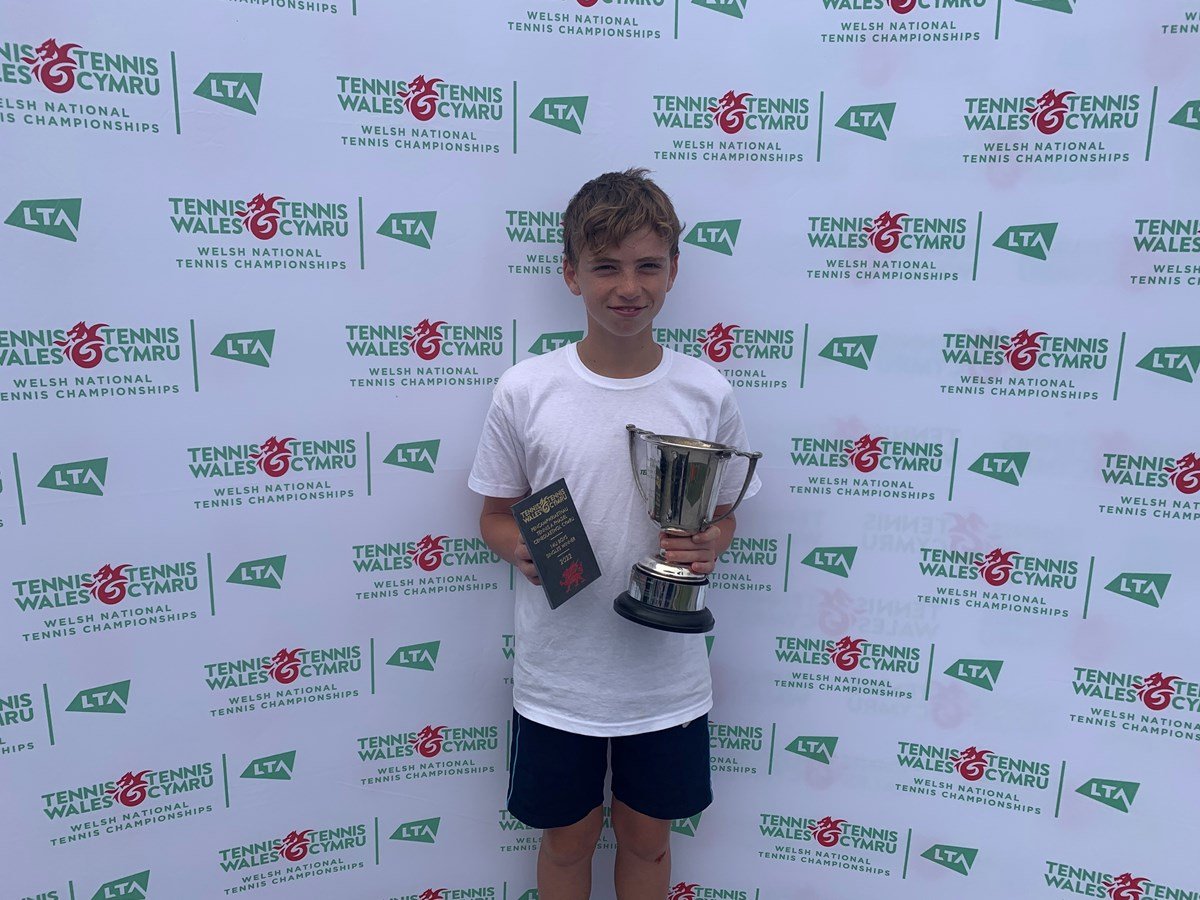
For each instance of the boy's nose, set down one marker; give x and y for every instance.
(629, 287)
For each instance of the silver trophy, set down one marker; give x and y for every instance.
(687, 475)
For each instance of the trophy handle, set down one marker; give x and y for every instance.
(754, 456)
(634, 431)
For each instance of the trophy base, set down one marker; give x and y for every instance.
(681, 622)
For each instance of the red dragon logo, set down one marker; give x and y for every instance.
(572, 576)
(683, 891)
(429, 740)
(966, 531)
(718, 342)
(730, 111)
(866, 453)
(828, 832)
(83, 345)
(1126, 887)
(1022, 349)
(295, 846)
(284, 666)
(429, 552)
(420, 97)
(885, 231)
(996, 568)
(426, 340)
(1185, 473)
(436, 893)
(587, 3)
(110, 584)
(838, 611)
(1157, 690)
(846, 653)
(53, 66)
(273, 456)
(261, 217)
(130, 789)
(971, 763)
(902, 6)
(1050, 111)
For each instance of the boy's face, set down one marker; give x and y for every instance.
(624, 287)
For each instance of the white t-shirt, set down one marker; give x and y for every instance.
(582, 667)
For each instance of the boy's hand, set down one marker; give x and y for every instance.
(698, 551)
(525, 562)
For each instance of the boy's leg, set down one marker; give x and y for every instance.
(643, 854)
(564, 866)
(657, 777)
(556, 783)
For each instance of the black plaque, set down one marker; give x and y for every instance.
(561, 552)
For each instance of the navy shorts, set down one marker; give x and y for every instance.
(557, 777)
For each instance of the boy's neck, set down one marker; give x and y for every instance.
(619, 358)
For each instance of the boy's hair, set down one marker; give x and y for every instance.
(611, 207)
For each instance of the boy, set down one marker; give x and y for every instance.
(584, 676)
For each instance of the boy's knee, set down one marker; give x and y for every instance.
(572, 844)
(642, 836)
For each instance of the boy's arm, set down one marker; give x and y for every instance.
(701, 550)
(499, 531)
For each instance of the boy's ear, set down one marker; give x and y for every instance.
(569, 277)
(674, 271)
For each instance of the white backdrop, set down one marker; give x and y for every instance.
(252, 642)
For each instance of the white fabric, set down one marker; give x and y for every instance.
(583, 668)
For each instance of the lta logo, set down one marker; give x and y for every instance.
(429, 552)
(828, 831)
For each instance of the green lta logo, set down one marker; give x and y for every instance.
(421, 831)
(872, 120)
(57, 218)
(84, 477)
(237, 90)
(956, 859)
(1028, 240)
(855, 350)
(1144, 587)
(834, 560)
(552, 340)
(1062, 6)
(416, 656)
(1006, 467)
(566, 113)
(720, 236)
(688, 826)
(418, 455)
(1188, 115)
(414, 228)
(131, 887)
(106, 698)
(734, 8)
(818, 749)
(982, 673)
(278, 767)
(1179, 363)
(263, 573)
(1116, 795)
(251, 347)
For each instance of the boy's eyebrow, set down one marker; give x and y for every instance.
(612, 259)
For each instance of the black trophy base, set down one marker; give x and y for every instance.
(696, 621)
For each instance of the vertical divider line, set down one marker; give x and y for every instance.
(175, 92)
(362, 241)
(771, 756)
(787, 563)
(368, 464)
(49, 715)
(978, 237)
(953, 467)
(1150, 131)
(907, 848)
(929, 675)
(372, 667)
(1087, 595)
(225, 778)
(1120, 362)
(20, 492)
(212, 592)
(804, 356)
(195, 358)
(514, 115)
(820, 123)
(999, 3)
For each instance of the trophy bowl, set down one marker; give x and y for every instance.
(687, 475)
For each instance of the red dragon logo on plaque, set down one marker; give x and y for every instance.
(110, 584)
(971, 763)
(284, 666)
(428, 740)
(828, 832)
(295, 846)
(83, 345)
(731, 111)
(1022, 349)
(130, 789)
(884, 232)
(1049, 112)
(718, 342)
(273, 456)
(261, 217)
(572, 576)
(53, 66)
(996, 568)
(1156, 690)
(421, 97)
(866, 453)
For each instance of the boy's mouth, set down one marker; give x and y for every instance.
(627, 310)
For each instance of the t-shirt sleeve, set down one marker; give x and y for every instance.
(732, 431)
(499, 467)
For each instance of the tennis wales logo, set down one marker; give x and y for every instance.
(429, 552)
(421, 97)
(885, 230)
(273, 457)
(56, 218)
(865, 453)
(53, 65)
